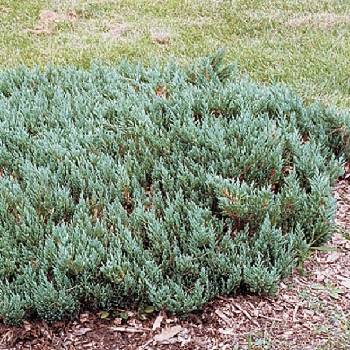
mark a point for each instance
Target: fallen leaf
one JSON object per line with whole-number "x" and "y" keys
{"x": 167, "y": 333}
{"x": 84, "y": 318}
{"x": 117, "y": 321}
{"x": 295, "y": 312}
{"x": 124, "y": 316}
{"x": 149, "y": 309}
{"x": 82, "y": 331}
{"x": 283, "y": 286}
{"x": 161, "y": 91}
{"x": 227, "y": 331}
{"x": 288, "y": 334}
{"x": 333, "y": 257}
{"x": 27, "y": 326}
{"x": 345, "y": 283}
{"x": 157, "y": 322}
{"x": 103, "y": 315}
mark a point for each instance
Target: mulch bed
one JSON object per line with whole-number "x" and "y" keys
{"x": 310, "y": 311}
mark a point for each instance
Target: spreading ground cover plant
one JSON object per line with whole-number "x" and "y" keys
{"x": 128, "y": 185}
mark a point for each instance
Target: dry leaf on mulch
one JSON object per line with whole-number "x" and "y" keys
{"x": 157, "y": 322}
{"x": 167, "y": 333}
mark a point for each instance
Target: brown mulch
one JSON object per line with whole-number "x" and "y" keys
{"x": 310, "y": 311}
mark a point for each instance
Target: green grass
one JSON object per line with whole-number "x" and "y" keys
{"x": 311, "y": 57}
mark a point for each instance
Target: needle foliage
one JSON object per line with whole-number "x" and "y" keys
{"x": 129, "y": 186}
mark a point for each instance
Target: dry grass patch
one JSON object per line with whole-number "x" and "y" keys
{"x": 275, "y": 15}
{"x": 318, "y": 20}
{"x": 160, "y": 36}
{"x": 117, "y": 31}
{"x": 48, "y": 21}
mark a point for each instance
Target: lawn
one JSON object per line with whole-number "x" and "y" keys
{"x": 302, "y": 43}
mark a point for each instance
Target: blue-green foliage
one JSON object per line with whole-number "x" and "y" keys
{"x": 144, "y": 186}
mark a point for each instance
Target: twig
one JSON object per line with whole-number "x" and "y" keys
{"x": 130, "y": 329}
{"x": 246, "y": 313}
{"x": 223, "y": 317}
{"x": 224, "y": 298}
{"x": 271, "y": 318}
{"x": 141, "y": 347}
{"x": 295, "y": 312}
